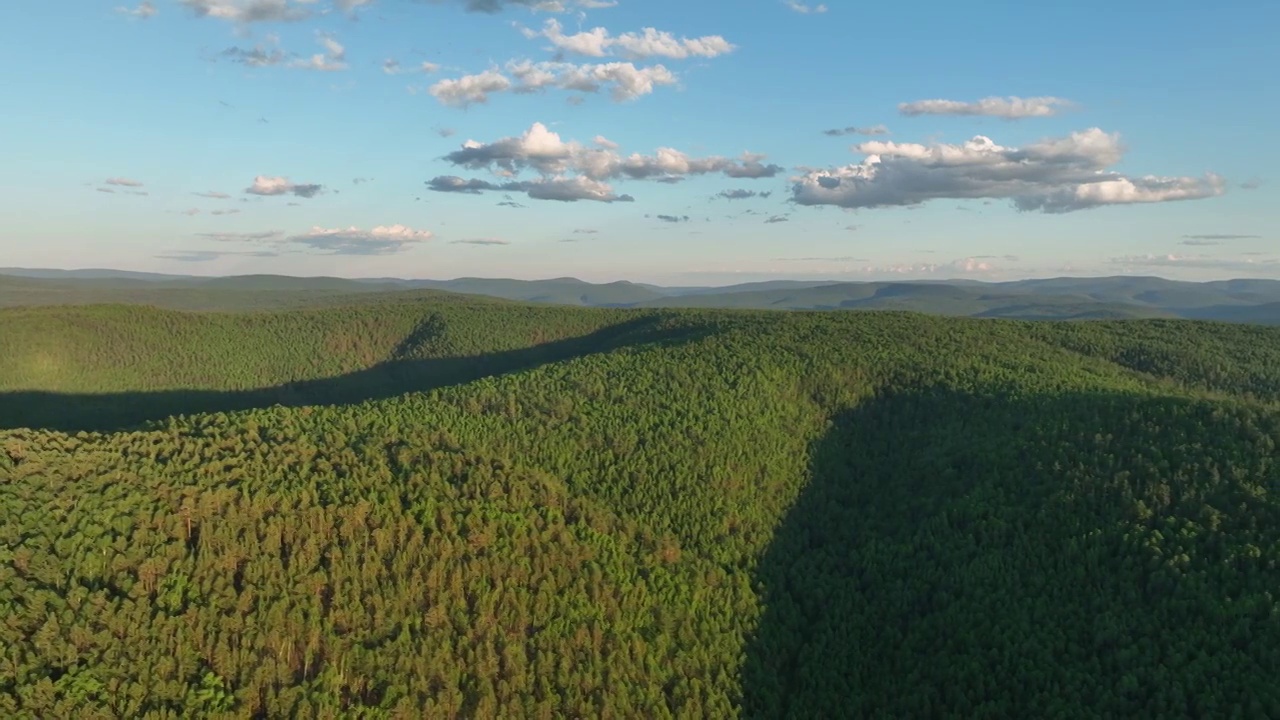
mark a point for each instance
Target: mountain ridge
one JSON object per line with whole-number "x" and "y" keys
{"x": 1062, "y": 298}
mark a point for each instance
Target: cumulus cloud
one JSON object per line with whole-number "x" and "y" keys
{"x": 270, "y": 186}
{"x": 1123, "y": 191}
{"x": 190, "y": 211}
{"x": 333, "y": 59}
{"x": 1009, "y": 108}
{"x": 572, "y": 189}
{"x": 473, "y": 186}
{"x": 741, "y": 194}
{"x": 480, "y": 241}
{"x": 585, "y": 231}
{"x": 381, "y": 240}
{"x": 564, "y": 189}
{"x": 123, "y": 182}
{"x": 648, "y": 43}
{"x": 249, "y": 11}
{"x": 626, "y": 81}
{"x": 542, "y": 150}
{"x": 573, "y": 170}
{"x": 470, "y": 89}
{"x": 855, "y": 130}
{"x": 1222, "y": 237}
{"x": 144, "y": 10}
{"x": 804, "y": 9}
{"x": 213, "y": 195}
{"x": 1054, "y": 175}
{"x": 1251, "y": 184}
{"x": 1198, "y": 262}
{"x": 673, "y": 218}
{"x": 777, "y": 219}
{"x": 232, "y": 211}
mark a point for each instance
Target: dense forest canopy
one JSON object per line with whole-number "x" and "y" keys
{"x": 447, "y": 508}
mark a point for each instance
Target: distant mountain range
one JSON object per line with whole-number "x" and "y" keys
{"x": 1253, "y": 301}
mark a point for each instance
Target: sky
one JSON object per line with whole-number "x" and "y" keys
{"x": 664, "y": 141}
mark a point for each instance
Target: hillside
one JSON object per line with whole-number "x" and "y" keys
{"x": 1249, "y": 301}
{"x": 454, "y": 509}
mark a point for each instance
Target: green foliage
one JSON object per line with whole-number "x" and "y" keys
{"x": 477, "y": 510}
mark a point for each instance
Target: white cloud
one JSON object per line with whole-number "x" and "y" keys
{"x": 804, "y": 9}
{"x": 144, "y": 10}
{"x": 650, "y": 42}
{"x": 571, "y": 170}
{"x": 381, "y": 240}
{"x": 334, "y": 58}
{"x": 572, "y": 189}
{"x": 627, "y": 81}
{"x": 1010, "y": 108}
{"x": 1200, "y": 262}
{"x": 123, "y": 182}
{"x": 470, "y": 89}
{"x": 543, "y": 151}
{"x": 1124, "y": 191}
{"x": 269, "y": 185}
{"x": 563, "y": 189}
{"x": 248, "y": 11}
{"x": 1054, "y": 175}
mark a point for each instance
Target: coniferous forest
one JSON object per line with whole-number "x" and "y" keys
{"x": 452, "y": 508}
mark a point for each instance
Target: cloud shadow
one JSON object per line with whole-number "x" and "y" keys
{"x": 958, "y": 555}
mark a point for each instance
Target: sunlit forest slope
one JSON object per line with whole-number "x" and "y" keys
{"x": 453, "y": 509}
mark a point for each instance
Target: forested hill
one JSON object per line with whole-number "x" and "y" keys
{"x": 481, "y": 510}
{"x": 1067, "y": 298}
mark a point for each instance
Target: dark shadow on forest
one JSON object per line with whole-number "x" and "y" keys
{"x": 939, "y": 559}
{"x": 107, "y": 412}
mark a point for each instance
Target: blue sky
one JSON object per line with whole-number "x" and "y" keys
{"x": 989, "y": 141}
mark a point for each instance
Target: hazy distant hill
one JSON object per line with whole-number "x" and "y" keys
{"x": 1066, "y": 298}
{"x": 559, "y": 291}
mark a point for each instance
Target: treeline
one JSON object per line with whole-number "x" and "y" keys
{"x": 659, "y": 514}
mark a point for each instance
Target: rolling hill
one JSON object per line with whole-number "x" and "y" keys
{"x": 1251, "y": 301}
{"x": 452, "y": 508}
